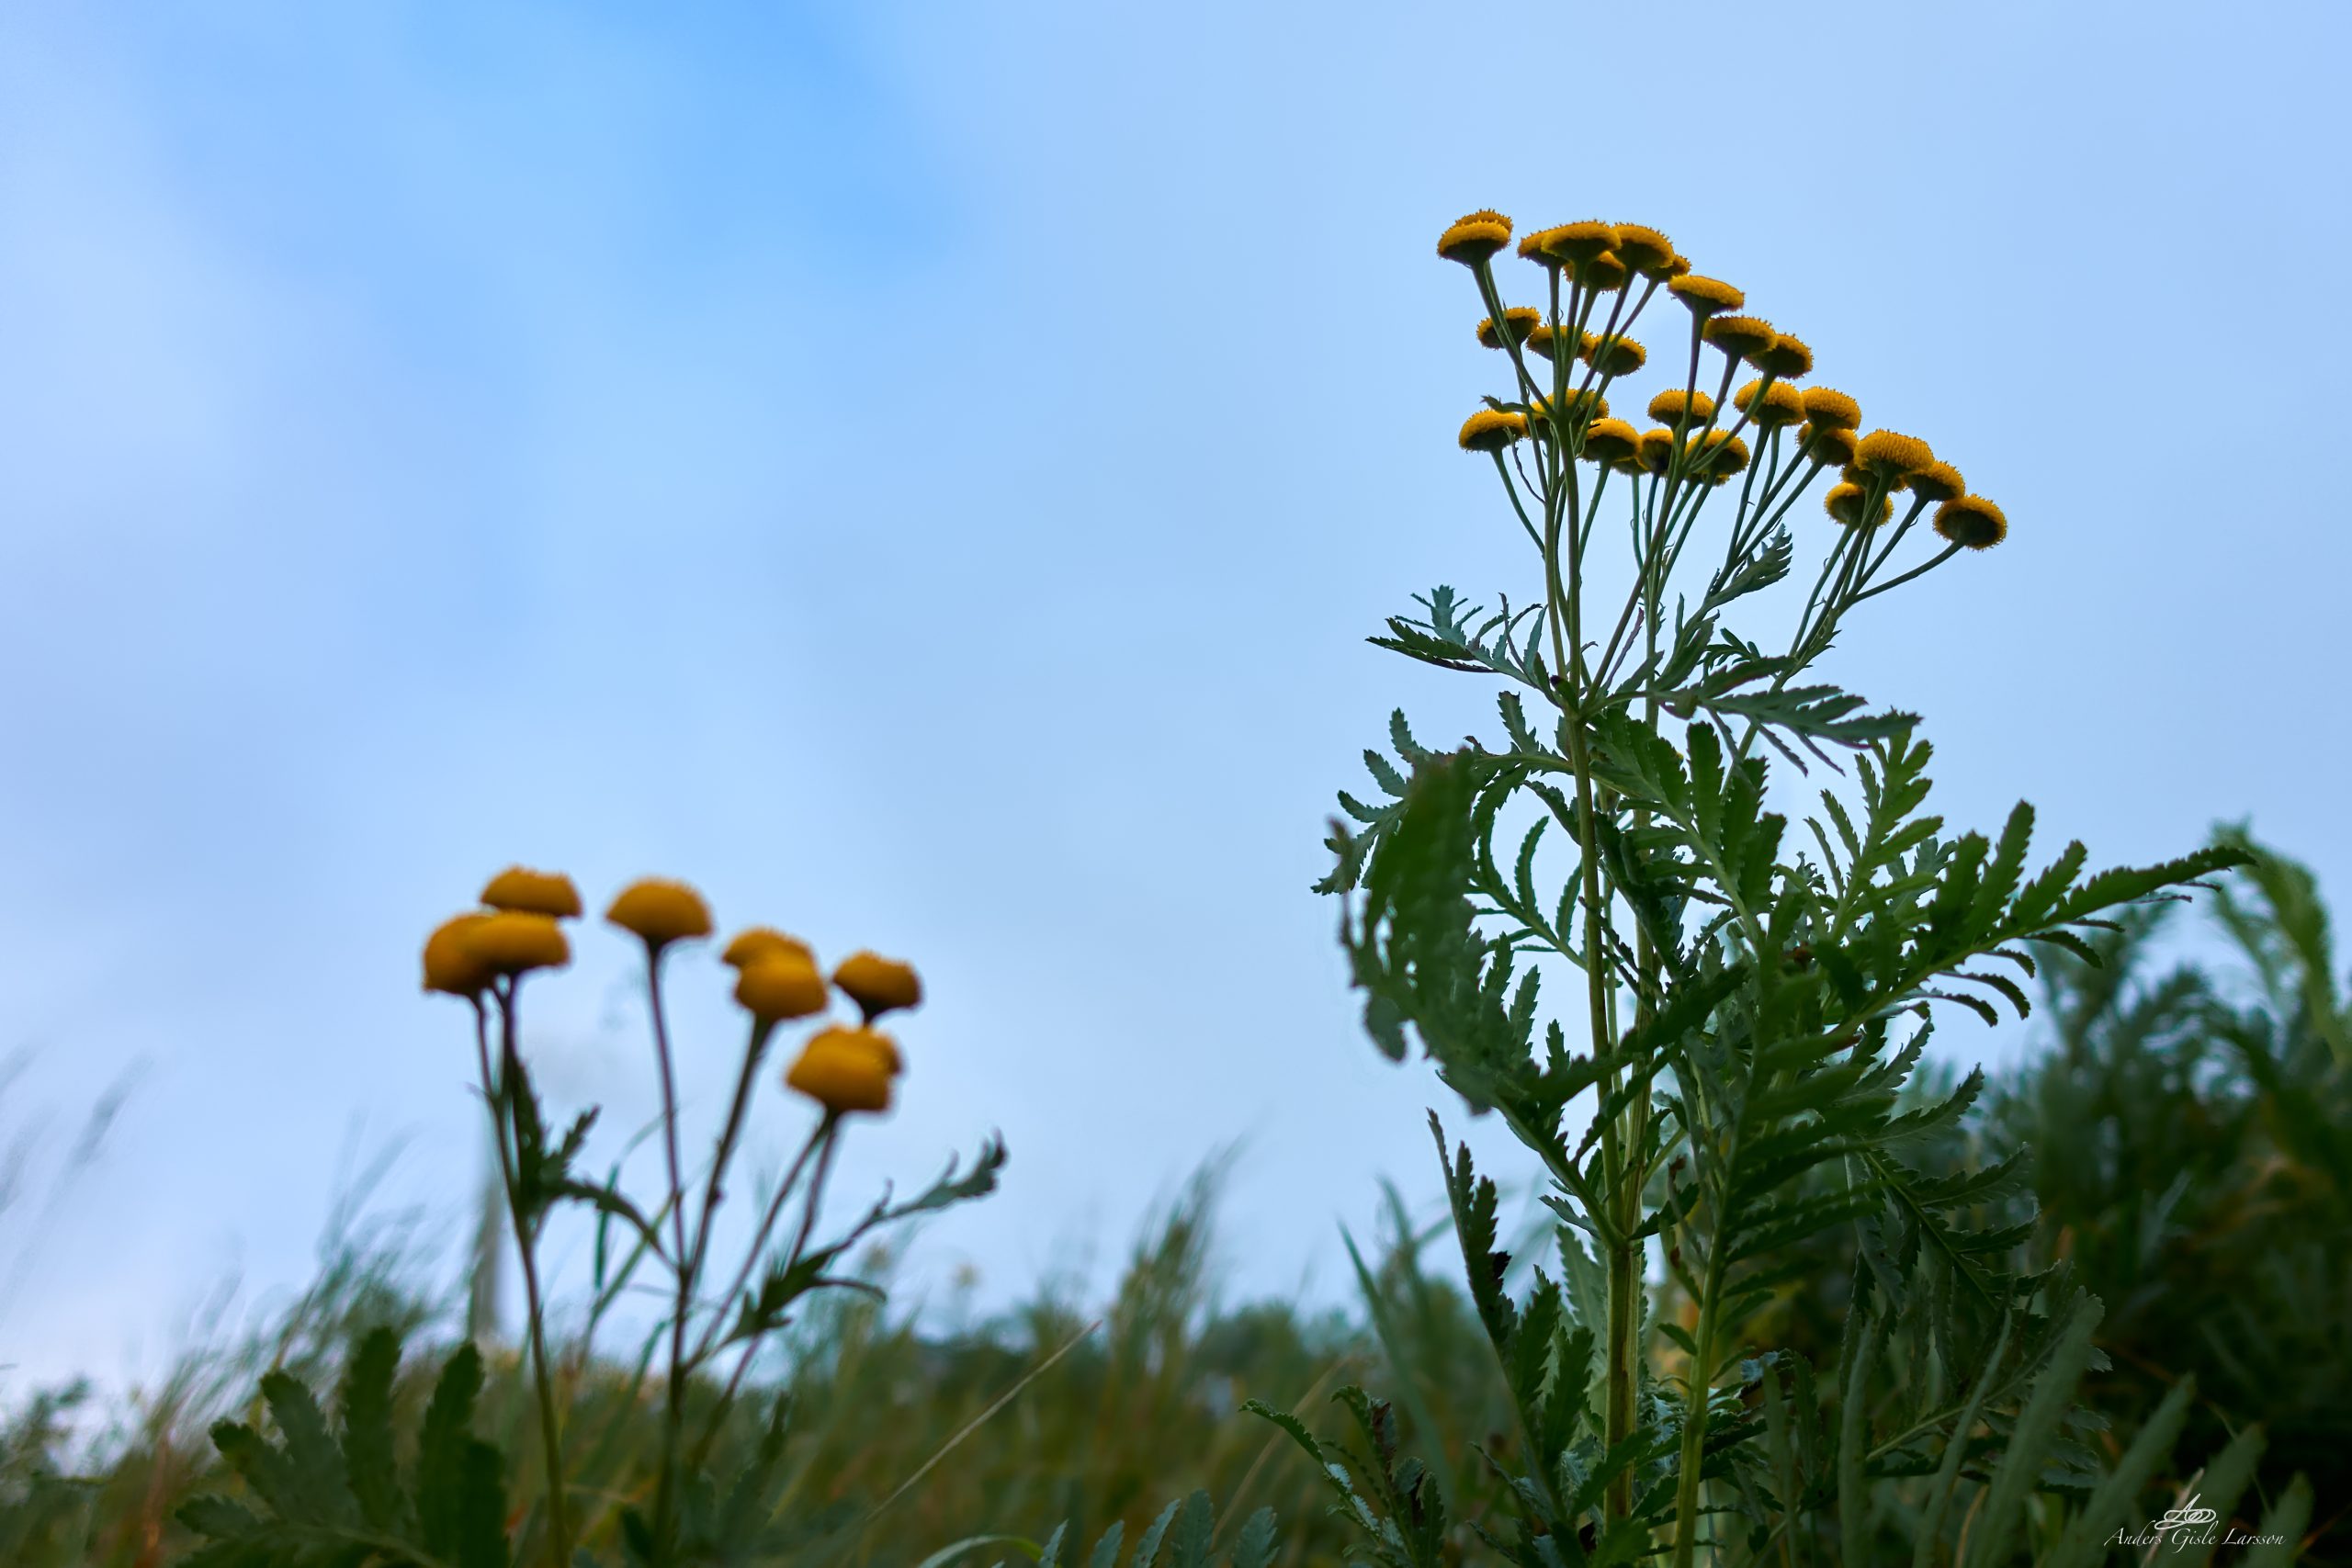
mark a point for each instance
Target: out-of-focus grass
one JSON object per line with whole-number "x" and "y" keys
{"x": 2192, "y": 1128}
{"x": 1143, "y": 1406}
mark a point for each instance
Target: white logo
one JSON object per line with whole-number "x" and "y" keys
{"x": 2188, "y": 1515}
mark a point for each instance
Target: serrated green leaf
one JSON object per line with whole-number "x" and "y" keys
{"x": 367, "y": 1410}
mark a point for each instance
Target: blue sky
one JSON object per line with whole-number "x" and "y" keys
{"x": 925, "y": 473}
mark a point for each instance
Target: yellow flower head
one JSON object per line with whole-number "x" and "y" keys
{"x": 1645, "y": 250}
{"x": 511, "y": 942}
{"x": 1610, "y": 441}
{"x": 1830, "y": 445}
{"x": 1739, "y": 335}
{"x": 1475, "y": 237}
{"x": 1579, "y": 242}
{"x": 1831, "y": 409}
{"x": 1491, "y": 430}
{"x": 450, "y": 967}
{"x": 1531, "y": 247}
{"x": 777, "y": 985}
{"x": 1705, "y": 296}
{"x": 844, "y": 1073}
{"x": 764, "y": 941}
{"x": 1544, "y": 341}
{"x": 1784, "y": 357}
{"x": 878, "y": 985}
{"x": 1603, "y": 272}
{"x": 1679, "y": 267}
{"x": 1845, "y": 503}
{"x": 1769, "y": 405}
{"x": 1518, "y": 321}
{"x": 660, "y": 911}
{"x": 1656, "y": 452}
{"x": 865, "y": 1038}
{"x": 1669, "y": 407}
{"x": 1855, "y": 474}
{"x": 1580, "y": 405}
{"x": 1720, "y": 455}
{"x": 1613, "y": 355}
{"x": 1972, "y": 521}
{"x": 1890, "y": 454}
{"x": 1938, "y": 481}
{"x": 532, "y": 893}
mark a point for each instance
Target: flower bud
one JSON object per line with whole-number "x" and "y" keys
{"x": 449, "y": 967}
{"x": 660, "y": 911}
{"x": 532, "y": 893}
{"x": 511, "y": 942}
{"x": 777, "y": 985}
{"x": 878, "y": 985}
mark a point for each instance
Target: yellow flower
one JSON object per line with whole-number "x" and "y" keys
{"x": 1855, "y": 474}
{"x": 865, "y": 1038}
{"x": 660, "y": 911}
{"x": 1604, "y": 273}
{"x": 842, "y": 1075}
{"x": 1578, "y": 405}
{"x": 1610, "y": 441}
{"x": 1705, "y": 296}
{"x": 1890, "y": 454}
{"x": 1830, "y": 445}
{"x": 532, "y": 893}
{"x": 1668, "y": 406}
{"x": 1491, "y": 430}
{"x": 1519, "y": 321}
{"x": 1831, "y": 409}
{"x": 1475, "y": 237}
{"x": 775, "y": 985}
{"x": 1579, "y": 242}
{"x": 510, "y": 942}
{"x": 1769, "y": 405}
{"x": 1784, "y": 356}
{"x": 1845, "y": 503}
{"x": 1720, "y": 455}
{"x": 1657, "y": 453}
{"x": 1938, "y": 481}
{"x": 1542, "y": 340}
{"x": 1613, "y": 355}
{"x": 1645, "y": 250}
{"x": 1679, "y": 267}
{"x": 1531, "y": 247}
{"x": 878, "y": 985}
{"x": 1972, "y": 521}
{"x": 755, "y": 943}
{"x": 450, "y": 967}
{"x": 1739, "y": 335}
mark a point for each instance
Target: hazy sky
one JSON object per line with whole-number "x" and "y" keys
{"x": 925, "y": 473}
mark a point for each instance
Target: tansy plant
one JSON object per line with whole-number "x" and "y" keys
{"x": 1746, "y": 1002}
{"x": 335, "y": 1497}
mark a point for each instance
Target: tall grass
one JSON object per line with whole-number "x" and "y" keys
{"x": 2191, "y": 1121}
{"x": 1141, "y": 1405}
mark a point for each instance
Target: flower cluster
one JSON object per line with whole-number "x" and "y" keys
{"x": 485, "y": 953}
{"x": 1599, "y": 277}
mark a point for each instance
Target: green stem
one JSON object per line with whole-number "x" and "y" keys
{"x": 497, "y": 1087}
{"x": 712, "y": 1331}
{"x": 1623, "y": 1256}
{"x": 827, "y": 1142}
{"x": 1698, "y": 1385}
{"x": 674, "y": 1414}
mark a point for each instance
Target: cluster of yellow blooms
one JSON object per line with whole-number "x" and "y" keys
{"x": 1597, "y": 259}
{"x": 518, "y": 928}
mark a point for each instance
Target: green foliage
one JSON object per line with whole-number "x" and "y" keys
{"x": 1745, "y": 1052}
{"x": 322, "y": 1495}
{"x": 2194, "y": 1128}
